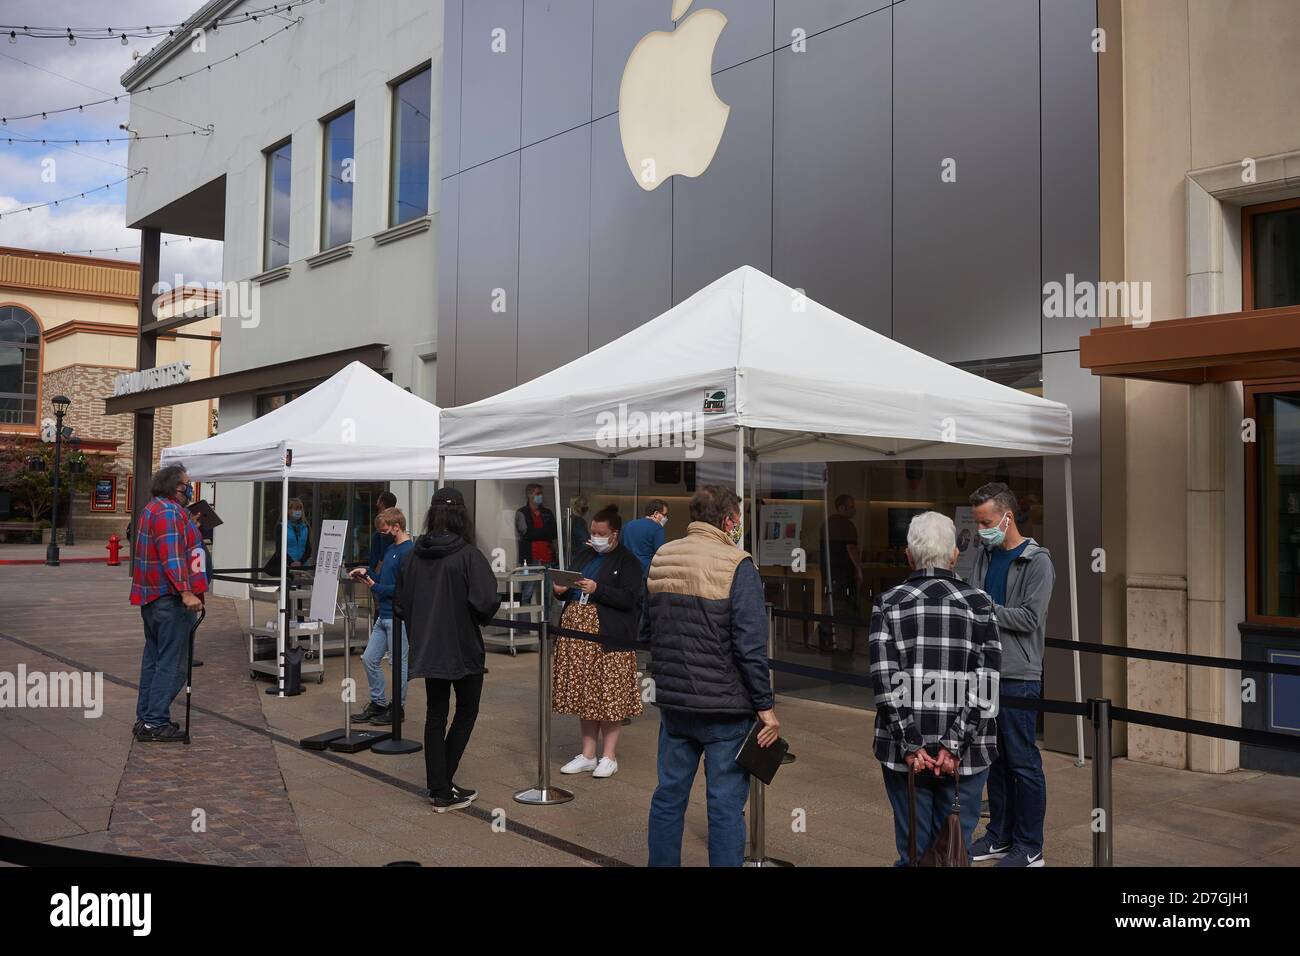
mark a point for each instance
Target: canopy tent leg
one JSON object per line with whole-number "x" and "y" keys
{"x": 1074, "y": 596}
{"x": 559, "y": 531}
{"x": 442, "y": 471}
{"x": 740, "y": 462}
{"x": 282, "y": 637}
{"x": 753, "y": 505}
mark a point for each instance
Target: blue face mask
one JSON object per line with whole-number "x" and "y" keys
{"x": 295, "y": 515}
{"x": 537, "y": 500}
{"x": 994, "y": 536}
{"x": 187, "y": 494}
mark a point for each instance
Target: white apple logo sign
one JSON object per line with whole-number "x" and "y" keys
{"x": 669, "y": 114}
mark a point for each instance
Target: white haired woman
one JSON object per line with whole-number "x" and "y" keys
{"x": 934, "y": 629}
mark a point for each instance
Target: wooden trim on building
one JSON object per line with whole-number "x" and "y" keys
{"x": 1248, "y": 213}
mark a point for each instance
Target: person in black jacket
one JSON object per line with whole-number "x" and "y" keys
{"x": 446, "y": 591}
{"x": 536, "y": 533}
{"x": 599, "y": 686}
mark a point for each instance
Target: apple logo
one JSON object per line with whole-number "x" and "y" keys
{"x": 669, "y": 115}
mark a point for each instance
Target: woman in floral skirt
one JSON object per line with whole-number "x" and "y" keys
{"x": 596, "y": 685}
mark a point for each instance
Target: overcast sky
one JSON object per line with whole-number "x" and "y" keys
{"x": 53, "y": 74}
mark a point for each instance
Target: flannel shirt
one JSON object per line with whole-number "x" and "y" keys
{"x": 935, "y": 656}
{"x": 163, "y": 553}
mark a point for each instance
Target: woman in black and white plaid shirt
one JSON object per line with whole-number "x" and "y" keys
{"x": 934, "y": 667}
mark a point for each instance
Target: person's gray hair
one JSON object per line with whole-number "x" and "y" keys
{"x": 931, "y": 538}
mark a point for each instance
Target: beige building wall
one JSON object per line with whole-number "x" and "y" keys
{"x": 1207, "y": 83}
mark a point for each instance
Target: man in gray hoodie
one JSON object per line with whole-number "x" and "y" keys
{"x": 1017, "y": 574}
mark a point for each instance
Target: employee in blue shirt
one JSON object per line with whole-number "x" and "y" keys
{"x": 384, "y": 635}
{"x": 643, "y": 537}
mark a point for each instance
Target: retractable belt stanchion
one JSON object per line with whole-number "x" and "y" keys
{"x": 543, "y": 795}
{"x": 350, "y": 741}
{"x": 395, "y": 745}
{"x": 1103, "y": 844}
{"x": 758, "y": 792}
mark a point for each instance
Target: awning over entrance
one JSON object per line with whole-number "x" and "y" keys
{"x": 282, "y": 374}
{"x": 1229, "y": 347}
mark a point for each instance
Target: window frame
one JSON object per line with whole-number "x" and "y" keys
{"x": 322, "y": 234}
{"x": 268, "y": 194}
{"x": 1248, "y": 214}
{"x": 22, "y": 428}
{"x": 1250, "y": 407}
{"x": 394, "y": 153}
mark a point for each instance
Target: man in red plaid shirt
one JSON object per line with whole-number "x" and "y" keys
{"x": 167, "y": 577}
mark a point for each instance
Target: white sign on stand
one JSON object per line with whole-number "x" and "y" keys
{"x": 968, "y": 541}
{"x": 780, "y": 531}
{"x": 329, "y": 558}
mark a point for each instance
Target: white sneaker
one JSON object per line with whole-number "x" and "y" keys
{"x": 580, "y": 764}
{"x": 605, "y": 768}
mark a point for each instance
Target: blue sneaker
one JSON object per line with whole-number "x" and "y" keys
{"x": 1021, "y": 857}
{"x": 986, "y": 848}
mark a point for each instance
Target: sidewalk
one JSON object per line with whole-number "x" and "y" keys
{"x": 82, "y": 782}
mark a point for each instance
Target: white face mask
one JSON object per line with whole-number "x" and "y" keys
{"x": 600, "y": 544}
{"x": 663, "y": 521}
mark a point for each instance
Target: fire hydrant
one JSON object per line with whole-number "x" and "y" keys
{"x": 114, "y": 549}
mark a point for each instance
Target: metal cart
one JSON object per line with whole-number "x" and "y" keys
{"x": 511, "y": 608}
{"x": 314, "y": 631}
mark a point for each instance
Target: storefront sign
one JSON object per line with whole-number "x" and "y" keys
{"x": 329, "y": 558}
{"x": 128, "y": 383}
{"x": 103, "y": 497}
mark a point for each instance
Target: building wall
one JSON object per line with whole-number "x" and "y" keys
{"x": 1208, "y": 83}
{"x": 828, "y": 176}
{"x": 339, "y": 53}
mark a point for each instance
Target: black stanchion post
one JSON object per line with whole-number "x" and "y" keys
{"x": 395, "y": 744}
{"x": 1103, "y": 827}
{"x": 543, "y": 795}
{"x": 758, "y": 790}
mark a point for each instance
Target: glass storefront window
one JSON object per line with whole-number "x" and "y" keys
{"x": 1277, "y": 511}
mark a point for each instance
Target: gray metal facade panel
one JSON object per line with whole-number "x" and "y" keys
{"x": 447, "y": 222}
{"x": 815, "y": 16}
{"x": 723, "y": 219}
{"x": 831, "y": 191}
{"x": 966, "y": 253}
{"x": 451, "y": 67}
{"x": 557, "y": 67}
{"x": 492, "y": 85}
{"x": 554, "y": 229}
{"x": 631, "y": 241}
{"x": 1071, "y": 173}
{"x": 619, "y": 26}
{"x": 488, "y": 254}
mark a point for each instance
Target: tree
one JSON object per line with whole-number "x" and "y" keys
{"x": 35, "y": 489}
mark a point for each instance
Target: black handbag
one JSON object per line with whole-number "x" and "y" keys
{"x": 949, "y": 845}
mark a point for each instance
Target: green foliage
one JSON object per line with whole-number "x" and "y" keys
{"x": 33, "y": 491}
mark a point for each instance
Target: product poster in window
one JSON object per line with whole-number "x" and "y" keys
{"x": 103, "y": 497}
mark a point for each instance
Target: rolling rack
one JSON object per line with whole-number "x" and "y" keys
{"x": 506, "y": 637}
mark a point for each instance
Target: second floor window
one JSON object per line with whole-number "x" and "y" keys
{"x": 340, "y": 172}
{"x": 409, "y": 189}
{"x": 20, "y": 365}
{"x": 279, "y": 169}
{"x": 1271, "y": 239}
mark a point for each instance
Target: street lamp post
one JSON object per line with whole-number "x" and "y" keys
{"x": 60, "y": 403}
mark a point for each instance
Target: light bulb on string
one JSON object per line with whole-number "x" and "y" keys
{"x": 123, "y": 39}
{"x": 13, "y": 36}
{"x": 72, "y": 41}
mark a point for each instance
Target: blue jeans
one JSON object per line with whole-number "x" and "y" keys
{"x": 934, "y": 796}
{"x": 166, "y": 653}
{"x": 1017, "y": 787}
{"x": 381, "y": 642}
{"x": 683, "y": 737}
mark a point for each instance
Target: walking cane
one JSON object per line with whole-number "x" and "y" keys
{"x": 189, "y": 671}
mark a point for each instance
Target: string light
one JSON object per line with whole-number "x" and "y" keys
{"x": 45, "y": 114}
{"x": 148, "y": 31}
{"x": 88, "y": 140}
{"x": 80, "y": 195}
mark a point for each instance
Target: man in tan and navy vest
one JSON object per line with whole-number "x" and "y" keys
{"x": 708, "y": 641}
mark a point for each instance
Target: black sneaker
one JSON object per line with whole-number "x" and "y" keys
{"x": 371, "y": 709}
{"x": 457, "y": 801}
{"x": 139, "y": 726}
{"x": 383, "y": 716}
{"x": 467, "y": 793}
{"x": 163, "y": 734}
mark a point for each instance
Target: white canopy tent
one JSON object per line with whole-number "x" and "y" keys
{"x": 354, "y": 426}
{"x": 751, "y": 368}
